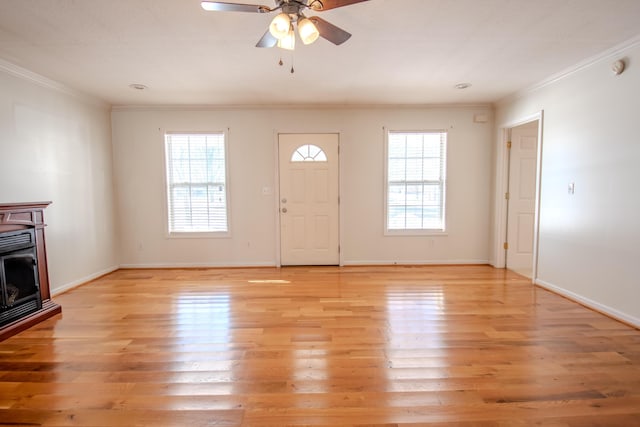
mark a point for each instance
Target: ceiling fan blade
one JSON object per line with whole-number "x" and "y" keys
{"x": 320, "y": 5}
{"x": 220, "y": 6}
{"x": 329, "y": 31}
{"x": 267, "y": 40}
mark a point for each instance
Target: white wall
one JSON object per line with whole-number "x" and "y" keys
{"x": 138, "y": 138}
{"x": 589, "y": 242}
{"x": 55, "y": 146}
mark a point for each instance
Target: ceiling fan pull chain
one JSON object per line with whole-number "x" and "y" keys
{"x": 292, "y": 63}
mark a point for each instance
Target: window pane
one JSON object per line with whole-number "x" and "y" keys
{"x": 414, "y": 194}
{"x": 431, "y": 169}
{"x": 397, "y": 194}
{"x": 415, "y": 180}
{"x": 216, "y": 173}
{"x": 308, "y": 153}
{"x": 414, "y": 146}
{"x": 197, "y": 182}
{"x": 180, "y": 171}
{"x": 432, "y": 145}
{"x": 397, "y": 170}
{"x": 414, "y": 217}
{"x": 397, "y": 147}
{"x": 198, "y": 170}
{"x": 396, "y": 220}
{"x": 414, "y": 169}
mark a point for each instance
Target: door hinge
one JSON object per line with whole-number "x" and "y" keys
{"x": 339, "y": 249}
{"x": 506, "y": 246}
{"x": 507, "y": 196}
{"x": 509, "y": 145}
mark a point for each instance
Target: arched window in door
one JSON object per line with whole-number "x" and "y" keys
{"x": 309, "y": 153}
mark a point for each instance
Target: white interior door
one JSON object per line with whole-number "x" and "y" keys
{"x": 309, "y": 199}
{"x": 522, "y": 193}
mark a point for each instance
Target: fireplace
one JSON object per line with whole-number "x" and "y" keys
{"x": 19, "y": 284}
{"x": 25, "y": 298}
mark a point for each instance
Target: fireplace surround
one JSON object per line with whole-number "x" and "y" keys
{"x": 19, "y": 284}
{"x": 25, "y": 297}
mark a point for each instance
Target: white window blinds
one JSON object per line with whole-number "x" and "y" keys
{"x": 196, "y": 182}
{"x": 416, "y": 175}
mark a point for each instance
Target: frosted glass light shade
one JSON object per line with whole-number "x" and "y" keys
{"x": 289, "y": 41}
{"x": 280, "y": 25}
{"x": 307, "y": 31}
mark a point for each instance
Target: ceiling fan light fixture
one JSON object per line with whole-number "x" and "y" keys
{"x": 280, "y": 26}
{"x": 288, "y": 42}
{"x": 307, "y": 31}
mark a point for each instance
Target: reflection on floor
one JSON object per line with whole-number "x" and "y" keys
{"x": 322, "y": 346}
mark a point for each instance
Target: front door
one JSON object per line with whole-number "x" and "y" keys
{"x": 522, "y": 193}
{"x": 309, "y": 199}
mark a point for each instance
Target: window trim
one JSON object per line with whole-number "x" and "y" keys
{"x": 414, "y": 231}
{"x": 196, "y": 234}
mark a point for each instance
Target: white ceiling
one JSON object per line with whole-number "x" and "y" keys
{"x": 401, "y": 52}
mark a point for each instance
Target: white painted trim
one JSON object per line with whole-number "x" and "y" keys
{"x": 36, "y": 78}
{"x": 420, "y": 262}
{"x": 345, "y": 107}
{"x": 501, "y": 204}
{"x": 538, "y": 199}
{"x": 276, "y": 192}
{"x": 408, "y": 232}
{"x": 45, "y": 82}
{"x": 195, "y": 234}
{"x": 611, "y": 312}
{"x": 576, "y": 68}
{"x": 502, "y": 180}
{"x": 200, "y": 265}
{"x": 340, "y": 193}
{"x": 68, "y": 286}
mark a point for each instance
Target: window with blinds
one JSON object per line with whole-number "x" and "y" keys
{"x": 196, "y": 182}
{"x": 416, "y": 177}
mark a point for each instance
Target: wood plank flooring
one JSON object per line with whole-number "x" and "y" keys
{"x": 321, "y": 346}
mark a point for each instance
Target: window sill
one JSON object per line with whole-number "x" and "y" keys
{"x": 415, "y": 233}
{"x": 198, "y": 235}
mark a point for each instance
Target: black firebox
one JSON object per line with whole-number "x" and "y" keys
{"x": 19, "y": 287}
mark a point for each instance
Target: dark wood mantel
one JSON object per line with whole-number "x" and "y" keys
{"x": 18, "y": 216}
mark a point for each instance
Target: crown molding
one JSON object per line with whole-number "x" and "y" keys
{"x": 45, "y": 82}
{"x": 216, "y": 107}
{"x": 608, "y": 54}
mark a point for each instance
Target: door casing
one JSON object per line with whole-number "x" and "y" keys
{"x": 502, "y": 185}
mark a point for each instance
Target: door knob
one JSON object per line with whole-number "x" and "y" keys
{"x": 284, "y": 210}
{"x": 284, "y": 200}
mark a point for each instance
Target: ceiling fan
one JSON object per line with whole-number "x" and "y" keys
{"x": 281, "y": 30}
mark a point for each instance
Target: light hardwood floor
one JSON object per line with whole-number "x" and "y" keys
{"x": 321, "y": 346}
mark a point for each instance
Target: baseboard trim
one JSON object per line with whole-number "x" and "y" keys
{"x": 593, "y": 305}
{"x": 71, "y": 285}
{"x": 421, "y": 262}
{"x": 199, "y": 265}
